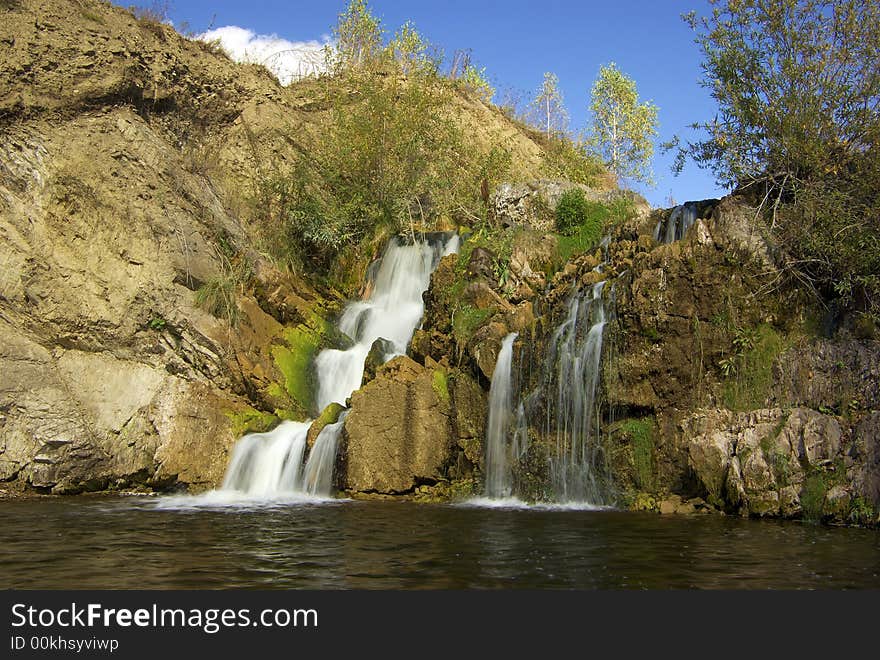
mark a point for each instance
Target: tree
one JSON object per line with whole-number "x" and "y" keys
{"x": 623, "y": 128}
{"x": 548, "y": 107}
{"x": 358, "y": 36}
{"x": 797, "y": 84}
{"x": 412, "y": 53}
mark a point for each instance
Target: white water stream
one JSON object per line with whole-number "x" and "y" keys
{"x": 270, "y": 465}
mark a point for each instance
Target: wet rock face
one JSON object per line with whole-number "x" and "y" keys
{"x": 410, "y": 426}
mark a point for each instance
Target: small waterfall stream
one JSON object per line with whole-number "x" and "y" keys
{"x": 563, "y": 406}
{"x": 676, "y": 225}
{"x": 499, "y": 479}
{"x": 392, "y": 312}
{"x": 572, "y": 374}
{"x": 267, "y": 465}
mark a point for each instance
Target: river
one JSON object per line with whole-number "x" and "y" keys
{"x": 93, "y": 542}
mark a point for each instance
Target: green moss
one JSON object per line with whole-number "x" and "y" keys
{"x": 251, "y": 420}
{"x": 813, "y": 495}
{"x": 294, "y": 360}
{"x": 440, "y": 385}
{"x": 750, "y": 374}
{"x": 330, "y": 415}
{"x": 652, "y": 335}
{"x": 466, "y": 320}
{"x": 641, "y": 434}
{"x": 582, "y": 239}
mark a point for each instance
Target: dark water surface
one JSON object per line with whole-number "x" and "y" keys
{"x": 132, "y": 543}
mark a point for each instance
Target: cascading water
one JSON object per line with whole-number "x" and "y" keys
{"x": 318, "y": 472}
{"x": 499, "y": 479}
{"x": 265, "y": 464}
{"x": 392, "y": 312}
{"x": 563, "y": 408}
{"x": 676, "y": 225}
{"x": 571, "y": 380}
{"x": 271, "y": 464}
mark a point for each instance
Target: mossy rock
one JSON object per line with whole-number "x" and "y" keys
{"x": 251, "y": 420}
{"x": 330, "y": 415}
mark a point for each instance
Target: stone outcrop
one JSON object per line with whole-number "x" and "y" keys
{"x": 533, "y": 203}
{"x": 112, "y": 217}
{"x": 411, "y": 426}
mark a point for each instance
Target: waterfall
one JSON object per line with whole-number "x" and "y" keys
{"x": 571, "y": 381}
{"x": 499, "y": 479}
{"x": 271, "y": 464}
{"x": 674, "y": 227}
{"x": 392, "y": 312}
{"x": 318, "y": 472}
{"x": 265, "y": 464}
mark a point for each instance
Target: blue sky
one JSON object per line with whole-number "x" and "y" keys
{"x": 517, "y": 41}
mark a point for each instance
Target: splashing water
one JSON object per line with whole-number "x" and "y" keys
{"x": 265, "y": 464}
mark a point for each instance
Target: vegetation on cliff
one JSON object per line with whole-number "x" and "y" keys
{"x": 797, "y": 88}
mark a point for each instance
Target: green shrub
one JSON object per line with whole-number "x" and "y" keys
{"x": 575, "y": 212}
{"x": 641, "y": 436}
{"x": 813, "y": 497}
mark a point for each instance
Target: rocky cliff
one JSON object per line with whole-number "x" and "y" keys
{"x": 142, "y": 328}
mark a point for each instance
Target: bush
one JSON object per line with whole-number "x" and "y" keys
{"x": 575, "y": 212}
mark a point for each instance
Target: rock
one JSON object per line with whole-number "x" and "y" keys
{"x": 533, "y": 204}
{"x": 398, "y": 434}
{"x": 755, "y": 462}
{"x": 485, "y": 345}
{"x": 379, "y": 351}
{"x": 330, "y": 415}
{"x": 481, "y": 296}
{"x": 481, "y": 265}
{"x": 521, "y": 318}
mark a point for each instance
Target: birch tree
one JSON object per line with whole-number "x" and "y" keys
{"x": 623, "y": 128}
{"x": 548, "y": 108}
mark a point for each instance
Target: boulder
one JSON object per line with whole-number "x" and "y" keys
{"x": 398, "y": 433}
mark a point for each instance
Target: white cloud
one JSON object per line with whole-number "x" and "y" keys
{"x": 288, "y": 60}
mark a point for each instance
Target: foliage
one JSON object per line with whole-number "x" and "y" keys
{"x": 465, "y": 321}
{"x": 476, "y": 81}
{"x": 641, "y": 436}
{"x": 798, "y": 88}
{"x": 548, "y": 110}
{"x": 592, "y": 220}
{"x": 218, "y": 296}
{"x": 748, "y": 369}
{"x": 358, "y": 39}
{"x": 812, "y": 496}
{"x": 412, "y": 53}
{"x": 392, "y": 157}
{"x": 796, "y": 85}
{"x": 572, "y": 161}
{"x": 623, "y": 128}
{"x": 861, "y": 511}
{"x": 574, "y": 211}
